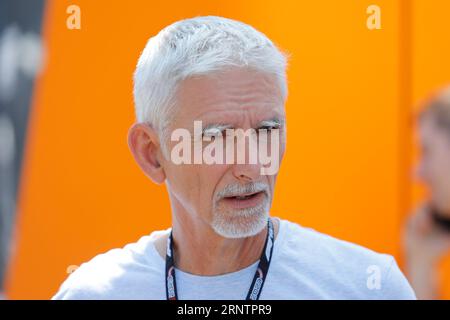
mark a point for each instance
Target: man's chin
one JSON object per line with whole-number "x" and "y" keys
{"x": 239, "y": 226}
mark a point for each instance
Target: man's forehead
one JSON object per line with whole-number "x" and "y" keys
{"x": 230, "y": 105}
{"x": 208, "y": 92}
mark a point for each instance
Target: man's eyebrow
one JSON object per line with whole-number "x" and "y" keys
{"x": 274, "y": 122}
{"x": 214, "y": 128}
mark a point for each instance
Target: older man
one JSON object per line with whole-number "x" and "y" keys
{"x": 220, "y": 86}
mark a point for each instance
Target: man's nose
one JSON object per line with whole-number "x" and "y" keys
{"x": 246, "y": 172}
{"x": 247, "y": 166}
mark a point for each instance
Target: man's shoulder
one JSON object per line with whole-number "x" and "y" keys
{"x": 326, "y": 246}
{"x": 119, "y": 273}
{"x": 356, "y": 270}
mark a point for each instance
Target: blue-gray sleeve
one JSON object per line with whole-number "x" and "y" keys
{"x": 396, "y": 286}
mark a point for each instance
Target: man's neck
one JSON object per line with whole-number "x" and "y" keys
{"x": 199, "y": 250}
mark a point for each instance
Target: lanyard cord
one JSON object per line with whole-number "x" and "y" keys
{"x": 258, "y": 279}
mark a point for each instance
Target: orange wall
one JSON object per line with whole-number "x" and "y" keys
{"x": 345, "y": 165}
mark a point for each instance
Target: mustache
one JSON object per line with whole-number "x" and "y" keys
{"x": 238, "y": 189}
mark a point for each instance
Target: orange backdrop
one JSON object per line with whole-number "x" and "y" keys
{"x": 347, "y": 166}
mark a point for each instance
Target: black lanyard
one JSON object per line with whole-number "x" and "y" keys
{"x": 258, "y": 279}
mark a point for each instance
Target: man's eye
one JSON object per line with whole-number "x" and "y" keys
{"x": 213, "y": 135}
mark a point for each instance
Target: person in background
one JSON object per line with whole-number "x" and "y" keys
{"x": 427, "y": 236}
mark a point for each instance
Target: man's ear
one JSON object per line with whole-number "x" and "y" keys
{"x": 144, "y": 145}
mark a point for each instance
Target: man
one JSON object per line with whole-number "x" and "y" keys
{"x": 225, "y": 76}
{"x": 427, "y": 237}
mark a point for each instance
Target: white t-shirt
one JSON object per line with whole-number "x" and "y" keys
{"x": 305, "y": 264}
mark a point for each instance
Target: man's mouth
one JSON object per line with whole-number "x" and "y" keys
{"x": 242, "y": 201}
{"x": 244, "y": 196}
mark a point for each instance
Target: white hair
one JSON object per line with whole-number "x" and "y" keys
{"x": 198, "y": 46}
